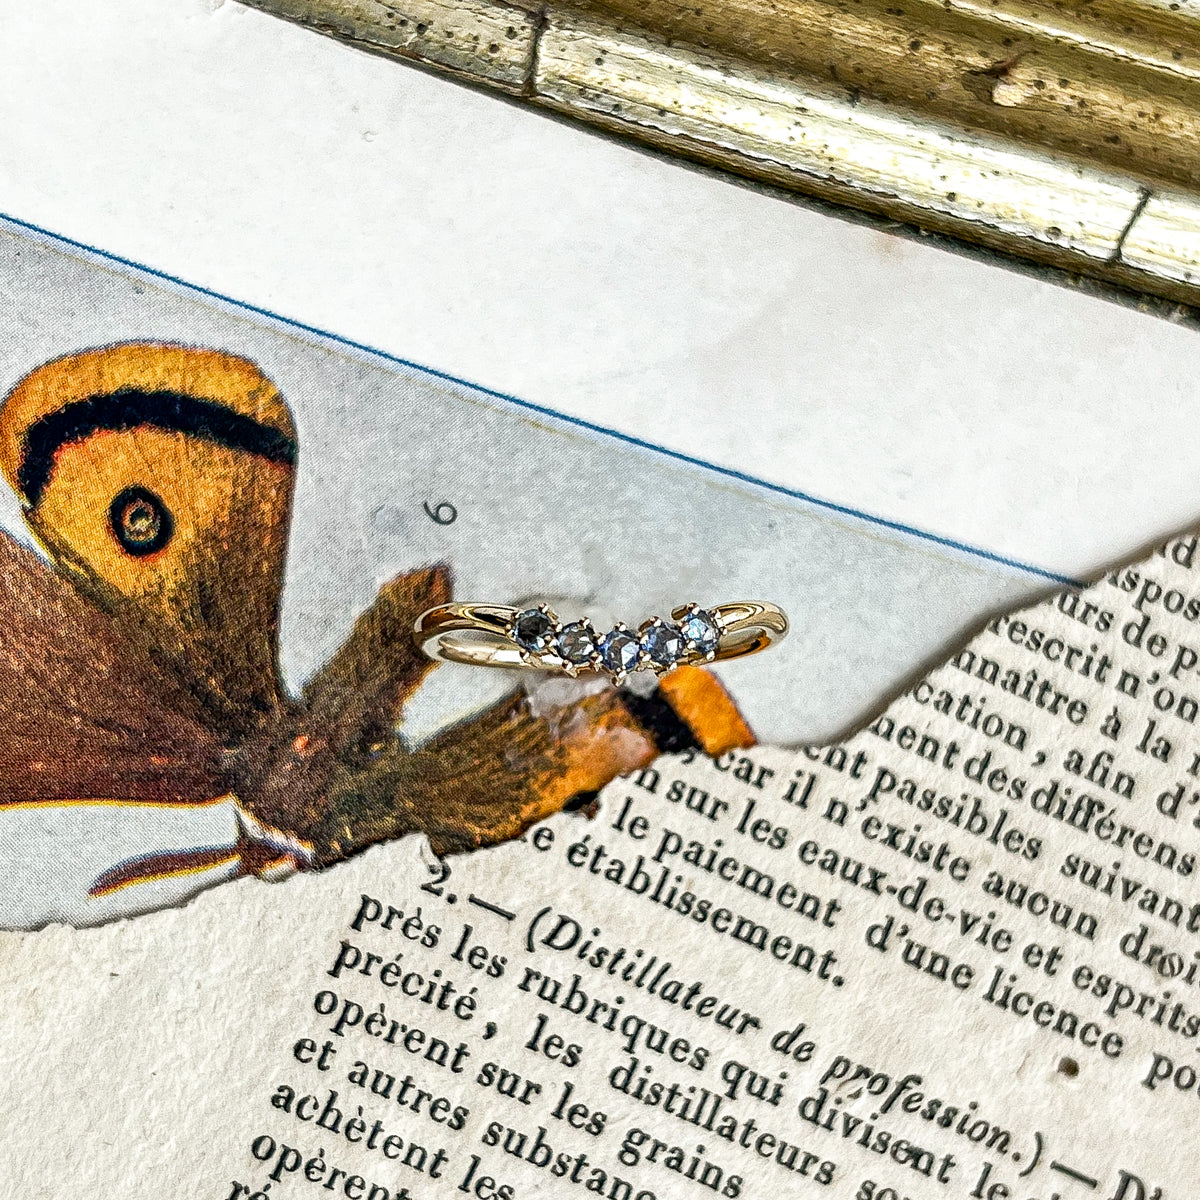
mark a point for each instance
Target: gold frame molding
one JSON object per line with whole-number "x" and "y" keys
{"x": 1065, "y": 132}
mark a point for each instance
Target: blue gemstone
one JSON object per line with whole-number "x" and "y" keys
{"x": 700, "y": 630}
{"x": 662, "y": 643}
{"x": 577, "y": 643}
{"x": 532, "y": 630}
{"x": 619, "y": 650}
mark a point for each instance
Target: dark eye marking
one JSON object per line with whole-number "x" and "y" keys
{"x": 140, "y": 521}
{"x": 129, "y": 408}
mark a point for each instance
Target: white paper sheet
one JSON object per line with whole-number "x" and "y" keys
{"x": 373, "y": 200}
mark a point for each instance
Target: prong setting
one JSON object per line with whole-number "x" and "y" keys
{"x": 575, "y": 647}
{"x": 620, "y": 651}
{"x": 578, "y": 647}
{"x": 534, "y": 631}
{"x": 498, "y": 635}
{"x": 663, "y": 646}
{"x": 701, "y": 631}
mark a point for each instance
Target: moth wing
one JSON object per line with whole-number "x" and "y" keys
{"x": 85, "y": 714}
{"x": 490, "y": 777}
{"x": 159, "y": 479}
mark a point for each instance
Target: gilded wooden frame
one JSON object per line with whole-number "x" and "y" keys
{"x": 1065, "y": 133}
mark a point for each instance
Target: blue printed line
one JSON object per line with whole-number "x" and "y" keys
{"x": 541, "y": 410}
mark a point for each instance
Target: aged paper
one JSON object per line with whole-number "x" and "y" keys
{"x": 954, "y": 956}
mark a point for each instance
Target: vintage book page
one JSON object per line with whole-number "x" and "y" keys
{"x": 953, "y": 956}
{"x": 902, "y": 909}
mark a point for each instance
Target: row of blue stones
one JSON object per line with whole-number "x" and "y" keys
{"x": 657, "y": 646}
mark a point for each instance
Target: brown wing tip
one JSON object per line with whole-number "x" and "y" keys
{"x": 420, "y": 589}
{"x": 438, "y": 583}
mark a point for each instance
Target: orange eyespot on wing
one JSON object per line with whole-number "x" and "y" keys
{"x": 140, "y": 522}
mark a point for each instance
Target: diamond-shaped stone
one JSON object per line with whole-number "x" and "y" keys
{"x": 533, "y": 630}
{"x": 619, "y": 650}
{"x": 700, "y": 631}
{"x": 577, "y": 643}
{"x": 662, "y": 642}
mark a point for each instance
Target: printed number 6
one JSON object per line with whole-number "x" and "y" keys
{"x": 444, "y": 513}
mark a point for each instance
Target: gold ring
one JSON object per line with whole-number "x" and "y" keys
{"x": 497, "y": 635}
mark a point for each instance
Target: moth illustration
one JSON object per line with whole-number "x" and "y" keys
{"x": 147, "y": 745}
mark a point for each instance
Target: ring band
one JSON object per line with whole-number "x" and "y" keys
{"x": 497, "y": 635}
